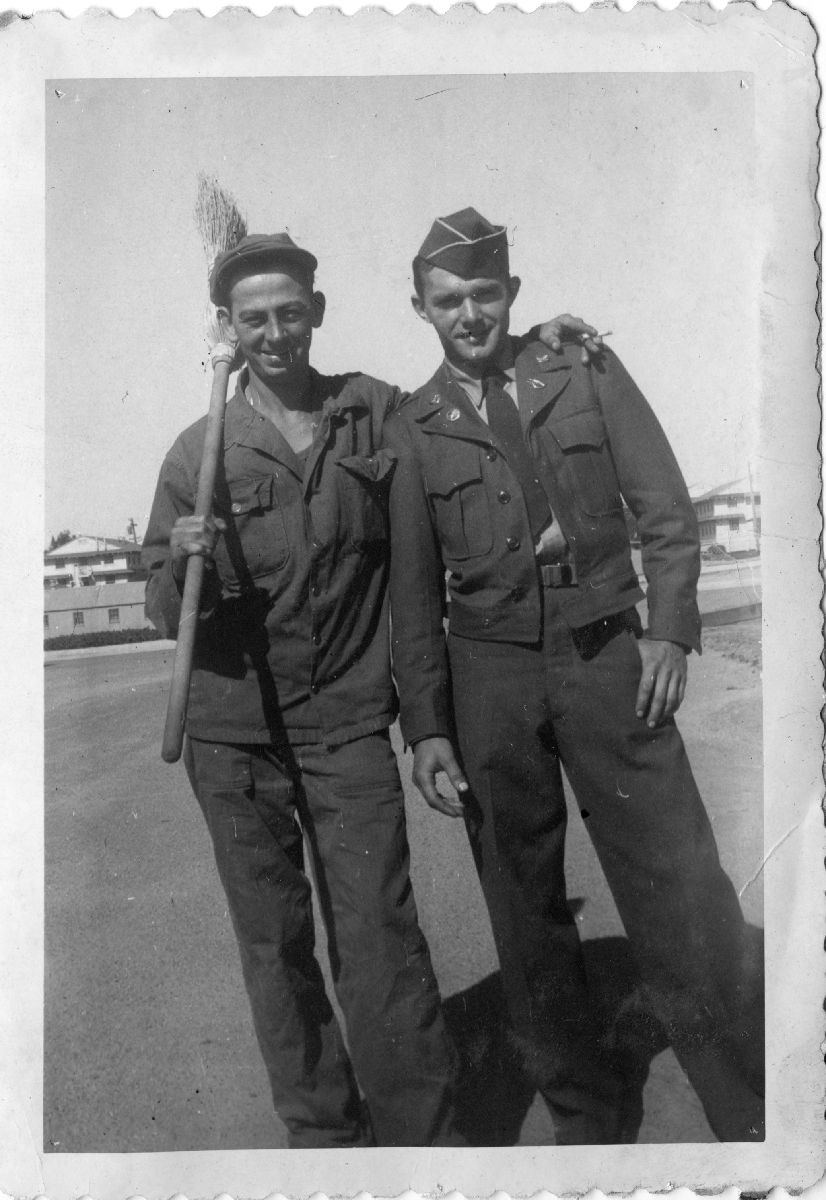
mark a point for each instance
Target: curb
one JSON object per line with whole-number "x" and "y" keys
{"x": 51, "y": 656}
{"x": 731, "y": 616}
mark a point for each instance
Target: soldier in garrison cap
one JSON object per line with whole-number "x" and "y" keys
{"x": 512, "y": 464}
{"x": 290, "y": 703}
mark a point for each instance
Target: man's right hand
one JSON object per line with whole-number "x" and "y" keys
{"x": 193, "y": 535}
{"x": 430, "y": 756}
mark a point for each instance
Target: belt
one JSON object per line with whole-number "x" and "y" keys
{"x": 557, "y": 575}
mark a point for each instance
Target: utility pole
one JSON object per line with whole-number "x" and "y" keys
{"x": 133, "y": 529}
{"x": 753, "y": 512}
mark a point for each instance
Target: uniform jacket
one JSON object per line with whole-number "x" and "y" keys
{"x": 294, "y": 632}
{"x": 456, "y": 506}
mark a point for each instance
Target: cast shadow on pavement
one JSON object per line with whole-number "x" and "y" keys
{"x": 495, "y": 1091}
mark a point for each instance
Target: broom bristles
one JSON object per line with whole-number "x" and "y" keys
{"x": 220, "y": 226}
{"x": 218, "y": 218}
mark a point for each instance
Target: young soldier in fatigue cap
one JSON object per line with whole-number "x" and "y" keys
{"x": 287, "y": 727}
{"x": 512, "y": 465}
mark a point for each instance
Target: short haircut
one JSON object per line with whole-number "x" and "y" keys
{"x": 419, "y": 268}
{"x": 259, "y": 266}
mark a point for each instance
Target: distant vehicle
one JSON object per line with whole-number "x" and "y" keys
{"x": 716, "y": 553}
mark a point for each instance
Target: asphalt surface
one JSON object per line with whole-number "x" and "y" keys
{"x": 149, "y": 1044}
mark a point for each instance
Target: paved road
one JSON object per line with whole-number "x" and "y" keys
{"x": 149, "y": 1045}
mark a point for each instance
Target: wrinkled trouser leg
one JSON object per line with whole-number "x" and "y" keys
{"x": 382, "y": 971}
{"x": 656, "y": 846}
{"x": 516, "y": 822}
{"x": 651, "y": 833}
{"x": 248, "y": 798}
{"x": 350, "y": 803}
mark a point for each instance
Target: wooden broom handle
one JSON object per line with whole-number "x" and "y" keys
{"x": 173, "y": 734}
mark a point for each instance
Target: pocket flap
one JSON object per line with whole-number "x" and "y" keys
{"x": 445, "y": 473}
{"x": 584, "y": 428}
{"x": 372, "y": 467}
{"x": 246, "y": 495}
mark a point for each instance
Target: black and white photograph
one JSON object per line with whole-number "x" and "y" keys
{"x": 429, "y": 585}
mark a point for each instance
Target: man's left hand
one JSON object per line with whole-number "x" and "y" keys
{"x": 662, "y": 686}
{"x": 566, "y": 328}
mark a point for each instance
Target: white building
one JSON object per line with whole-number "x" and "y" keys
{"x": 91, "y": 561}
{"x": 94, "y": 609}
{"x": 729, "y": 516}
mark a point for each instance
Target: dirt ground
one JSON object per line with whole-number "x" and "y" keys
{"x": 742, "y": 642}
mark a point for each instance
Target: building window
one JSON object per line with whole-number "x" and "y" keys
{"x": 114, "y": 616}
{"x": 77, "y": 618}
{"x": 45, "y": 620}
{"x": 60, "y": 562}
{"x": 735, "y": 525}
{"x": 108, "y": 558}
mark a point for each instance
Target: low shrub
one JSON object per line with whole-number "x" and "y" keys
{"x": 106, "y": 637}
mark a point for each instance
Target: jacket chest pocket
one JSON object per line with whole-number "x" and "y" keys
{"x": 583, "y": 440}
{"x": 364, "y": 484}
{"x": 255, "y": 542}
{"x": 459, "y": 499}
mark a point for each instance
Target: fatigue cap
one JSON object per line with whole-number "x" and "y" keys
{"x": 467, "y": 245}
{"x": 253, "y": 251}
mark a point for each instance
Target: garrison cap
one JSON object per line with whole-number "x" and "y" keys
{"x": 467, "y": 245}
{"x": 255, "y": 250}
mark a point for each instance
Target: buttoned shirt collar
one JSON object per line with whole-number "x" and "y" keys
{"x": 474, "y": 389}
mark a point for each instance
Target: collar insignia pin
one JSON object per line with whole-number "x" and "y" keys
{"x": 536, "y": 383}
{"x": 437, "y": 399}
{"x": 453, "y": 415}
{"x": 542, "y": 357}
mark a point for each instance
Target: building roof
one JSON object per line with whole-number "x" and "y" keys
{"x": 83, "y": 545}
{"x": 108, "y": 595}
{"x": 737, "y": 487}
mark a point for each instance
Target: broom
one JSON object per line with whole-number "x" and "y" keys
{"x": 221, "y": 227}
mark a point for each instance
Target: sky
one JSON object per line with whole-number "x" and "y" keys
{"x": 629, "y": 200}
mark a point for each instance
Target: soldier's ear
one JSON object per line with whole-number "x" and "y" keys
{"x": 225, "y": 322}
{"x": 319, "y": 306}
{"x": 419, "y": 308}
{"x": 514, "y": 284}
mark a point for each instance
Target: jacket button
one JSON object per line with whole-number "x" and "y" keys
{"x": 490, "y": 454}
{"x": 504, "y": 497}
{"x": 315, "y": 590}
{"x": 316, "y": 639}
{"x": 315, "y": 688}
{"x": 513, "y": 543}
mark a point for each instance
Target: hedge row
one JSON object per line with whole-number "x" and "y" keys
{"x": 107, "y": 637}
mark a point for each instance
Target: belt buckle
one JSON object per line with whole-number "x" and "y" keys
{"x": 556, "y": 575}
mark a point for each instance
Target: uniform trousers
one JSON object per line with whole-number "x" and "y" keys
{"x": 348, "y": 802}
{"x": 521, "y": 711}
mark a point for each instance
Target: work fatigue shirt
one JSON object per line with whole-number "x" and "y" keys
{"x": 293, "y": 633}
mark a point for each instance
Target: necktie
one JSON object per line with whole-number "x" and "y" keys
{"x": 503, "y": 421}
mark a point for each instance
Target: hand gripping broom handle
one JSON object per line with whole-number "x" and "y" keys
{"x": 173, "y": 734}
